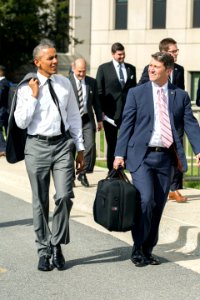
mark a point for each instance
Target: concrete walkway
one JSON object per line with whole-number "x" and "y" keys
{"x": 180, "y": 225}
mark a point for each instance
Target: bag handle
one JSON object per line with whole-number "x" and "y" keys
{"x": 118, "y": 173}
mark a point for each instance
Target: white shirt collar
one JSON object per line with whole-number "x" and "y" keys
{"x": 43, "y": 79}
{"x": 116, "y": 63}
{"x": 164, "y": 87}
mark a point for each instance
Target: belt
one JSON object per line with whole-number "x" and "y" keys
{"x": 158, "y": 149}
{"x": 51, "y": 138}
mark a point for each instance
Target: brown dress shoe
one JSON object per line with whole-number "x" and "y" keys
{"x": 2, "y": 153}
{"x": 176, "y": 195}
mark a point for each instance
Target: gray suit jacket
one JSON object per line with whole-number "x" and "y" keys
{"x": 16, "y": 137}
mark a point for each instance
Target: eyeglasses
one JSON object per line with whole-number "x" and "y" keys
{"x": 174, "y": 51}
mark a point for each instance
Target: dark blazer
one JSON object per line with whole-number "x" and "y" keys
{"x": 4, "y": 91}
{"x": 178, "y": 76}
{"x": 138, "y": 123}
{"x": 92, "y": 98}
{"x": 16, "y": 137}
{"x": 198, "y": 94}
{"x": 112, "y": 95}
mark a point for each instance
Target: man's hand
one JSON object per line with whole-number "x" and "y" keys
{"x": 198, "y": 159}
{"x": 119, "y": 161}
{"x": 80, "y": 162}
{"x": 99, "y": 126}
{"x": 34, "y": 85}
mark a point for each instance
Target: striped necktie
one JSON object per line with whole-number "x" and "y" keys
{"x": 80, "y": 98}
{"x": 165, "y": 126}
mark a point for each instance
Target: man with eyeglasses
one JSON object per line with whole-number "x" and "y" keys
{"x": 176, "y": 77}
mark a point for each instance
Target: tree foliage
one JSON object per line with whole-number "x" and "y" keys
{"x": 23, "y": 23}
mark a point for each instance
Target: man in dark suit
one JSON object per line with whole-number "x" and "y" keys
{"x": 4, "y": 90}
{"x": 198, "y": 94}
{"x": 176, "y": 77}
{"x": 150, "y": 144}
{"x": 114, "y": 79}
{"x": 90, "y": 103}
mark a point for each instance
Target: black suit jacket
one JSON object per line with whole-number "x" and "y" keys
{"x": 112, "y": 95}
{"x": 92, "y": 98}
{"x": 198, "y": 94}
{"x": 4, "y": 91}
{"x": 178, "y": 76}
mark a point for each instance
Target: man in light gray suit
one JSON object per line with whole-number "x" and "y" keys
{"x": 89, "y": 106}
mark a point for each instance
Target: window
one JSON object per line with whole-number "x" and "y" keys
{"x": 159, "y": 14}
{"x": 121, "y": 14}
{"x": 196, "y": 14}
{"x": 194, "y": 83}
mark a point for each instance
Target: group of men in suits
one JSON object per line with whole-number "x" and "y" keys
{"x": 115, "y": 99}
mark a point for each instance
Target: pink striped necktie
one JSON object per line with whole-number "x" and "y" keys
{"x": 165, "y": 126}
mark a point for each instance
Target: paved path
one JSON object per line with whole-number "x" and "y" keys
{"x": 180, "y": 225}
{"x": 98, "y": 265}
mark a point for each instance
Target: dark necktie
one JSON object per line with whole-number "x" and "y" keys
{"x": 121, "y": 76}
{"x": 55, "y": 99}
{"x": 80, "y": 98}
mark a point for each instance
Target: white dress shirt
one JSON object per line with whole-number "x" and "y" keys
{"x": 116, "y": 65}
{"x": 83, "y": 91}
{"x": 41, "y": 115}
{"x": 155, "y": 140}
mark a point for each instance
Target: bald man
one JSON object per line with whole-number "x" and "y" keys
{"x": 85, "y": 87}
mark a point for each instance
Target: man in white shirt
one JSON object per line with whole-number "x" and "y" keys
{"x": 150, "y": 145}
{"x": 46, "y": 106}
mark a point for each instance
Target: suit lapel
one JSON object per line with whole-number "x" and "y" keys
{"x": 113, "y": 72}
{"x": 87, "y": 89}
{"x": 73, "y": 82}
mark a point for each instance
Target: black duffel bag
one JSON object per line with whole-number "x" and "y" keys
{"x": 116, "y": 204}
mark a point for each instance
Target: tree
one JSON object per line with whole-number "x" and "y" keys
{"x": 24, "y": 23}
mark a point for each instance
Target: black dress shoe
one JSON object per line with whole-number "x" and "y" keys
{"x": 149, "y": 259}
{"x": 44, "y": 264}
{"x": 83, "y": 179}
{"x": 58, "y": 259}
{"x": 137, "y": 257}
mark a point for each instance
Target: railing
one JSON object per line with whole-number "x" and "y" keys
{"x": 193, "y": 171}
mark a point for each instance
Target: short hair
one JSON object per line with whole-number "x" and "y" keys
{"x": 166, "y": 58}
{"x": 44, "y": 44}
{"x": 164, "y": 44}
{"x": 117, "y": 47}
{"x": 2, "y": 68}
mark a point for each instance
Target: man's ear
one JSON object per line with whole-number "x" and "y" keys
{"x": 37, "y": 62}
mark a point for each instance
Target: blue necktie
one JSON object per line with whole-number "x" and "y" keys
{"x": 121, "y": 76}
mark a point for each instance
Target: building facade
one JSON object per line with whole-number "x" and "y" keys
{"x": 139, "y": 25}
